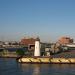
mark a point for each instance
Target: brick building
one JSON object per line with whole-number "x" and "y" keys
{"x": 65, "y": 40}
{"x": 29, "y": 42}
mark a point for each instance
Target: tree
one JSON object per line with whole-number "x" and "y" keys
{"x": 20, "y": 52}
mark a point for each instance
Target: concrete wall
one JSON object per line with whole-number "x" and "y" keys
{"x": 46, "y": 60}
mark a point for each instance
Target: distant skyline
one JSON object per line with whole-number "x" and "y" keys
{"x": 48, "y": 19}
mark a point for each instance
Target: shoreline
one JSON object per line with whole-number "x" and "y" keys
{"x": 42, "y": 60}
{"x": 46, "y": 60}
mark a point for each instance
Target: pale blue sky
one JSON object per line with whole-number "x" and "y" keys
{"x": 48, "y": 19}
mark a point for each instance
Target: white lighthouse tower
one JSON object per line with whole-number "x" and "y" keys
{"x": 37, "y": 47}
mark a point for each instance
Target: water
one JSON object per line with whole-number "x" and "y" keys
{"x": 9, "y": 66}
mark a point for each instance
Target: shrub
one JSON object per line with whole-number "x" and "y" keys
{"x": 20, "y": 52}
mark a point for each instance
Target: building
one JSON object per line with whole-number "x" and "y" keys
{"x": 1, "y": 43}
{"x": 29, "y": 42}
{"x": 65, "y": 40}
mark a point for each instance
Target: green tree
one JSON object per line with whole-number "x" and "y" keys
{"x": 20, "y": 52}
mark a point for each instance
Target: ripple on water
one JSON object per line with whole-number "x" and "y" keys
{"x": 9, "y": 66}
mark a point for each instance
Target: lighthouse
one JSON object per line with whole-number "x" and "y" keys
{"x": 37, "y": 47}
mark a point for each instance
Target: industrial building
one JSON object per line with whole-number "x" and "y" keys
{"x": 65, "y": 40}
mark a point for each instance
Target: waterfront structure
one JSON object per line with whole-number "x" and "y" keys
{"x": 37, "y": 48}
{"x": 47, "y": 51}
{"x": 46, "y": 60}
{"x": 64, "y": 58}
{"x": 1, "y": 44}
{"x": 65, "y": 40}
{"x": 71, "y": 45}
{"x": 37, "y": 58}
{"x": 28, "y": 42}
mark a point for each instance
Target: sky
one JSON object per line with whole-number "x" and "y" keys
{"x": 47, "y": 19}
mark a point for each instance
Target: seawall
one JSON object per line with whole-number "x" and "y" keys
{"x": 46, "y": 60}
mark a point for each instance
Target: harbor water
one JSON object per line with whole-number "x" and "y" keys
{"x": 9, "y": 66}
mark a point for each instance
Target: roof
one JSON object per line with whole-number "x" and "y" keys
{"x": 27, "y": 41}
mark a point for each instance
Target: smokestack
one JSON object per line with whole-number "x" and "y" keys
{"x": 37, "y": 47}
